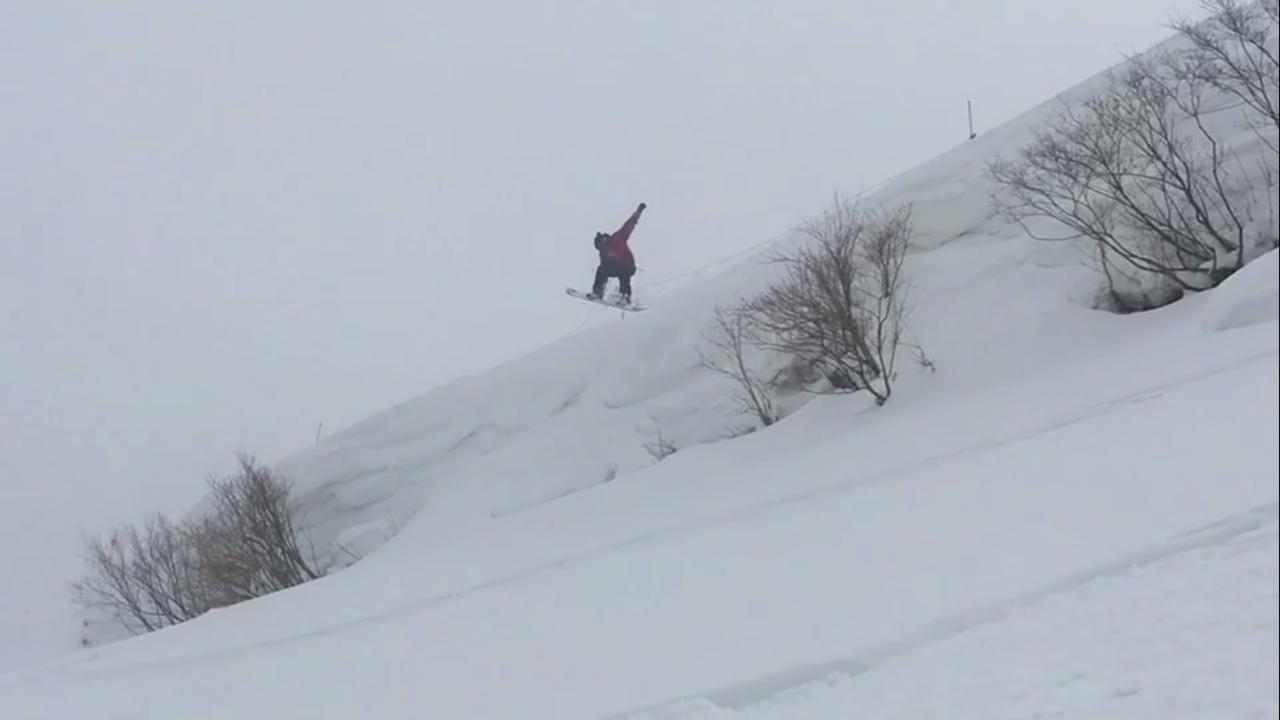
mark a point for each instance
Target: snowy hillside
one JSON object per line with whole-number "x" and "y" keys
{"x": 1074, "y": 515}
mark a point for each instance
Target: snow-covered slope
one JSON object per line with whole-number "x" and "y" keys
{"x": 1076, "y": 513}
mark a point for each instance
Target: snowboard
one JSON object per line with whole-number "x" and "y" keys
{"x": 607, "y": 301}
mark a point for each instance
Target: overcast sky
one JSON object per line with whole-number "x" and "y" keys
{"x": 224, "y": 223}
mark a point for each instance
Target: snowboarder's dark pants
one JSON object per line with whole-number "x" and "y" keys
{"x": 608, "y": 270}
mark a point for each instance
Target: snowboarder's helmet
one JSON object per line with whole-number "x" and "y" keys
{"x": 601, "y": 238}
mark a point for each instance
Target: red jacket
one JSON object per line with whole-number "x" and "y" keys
{"x": 615, "y": 251}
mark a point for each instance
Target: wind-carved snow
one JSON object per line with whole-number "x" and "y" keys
{"x": 1249, "y": 297}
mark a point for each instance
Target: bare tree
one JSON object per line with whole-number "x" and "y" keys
{"x": 1138, "y": 171}
{"x": 729, "y": 338}
{"x": 147, "y": 579}
{"x": 1237, "y": 50}
{"x": 247, "y": 543}
{"x": 1141, "y": 170}
{"x": 107, "y": 585}
{"x": 164, "y": 573}
{"x": 841, "y": 305}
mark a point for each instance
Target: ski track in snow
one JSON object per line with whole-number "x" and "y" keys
{"x": 762, "y": 690}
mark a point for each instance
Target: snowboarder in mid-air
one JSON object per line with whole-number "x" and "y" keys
{"x": 616, "y": 260}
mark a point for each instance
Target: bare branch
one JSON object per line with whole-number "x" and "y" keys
{"x": 729, "y": 338}
{"x": 1139, "y": 170}
{"x": 661, "y": 448}
{"x": 842, "y": 302}
{"x": 1235, "y": 50}
{"x": 147, "y": 579}
{"x": 248, "y": 545}
{"x": 165, "y": 573}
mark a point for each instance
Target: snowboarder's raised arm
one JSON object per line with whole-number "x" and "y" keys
{"x": 624, "y": 233}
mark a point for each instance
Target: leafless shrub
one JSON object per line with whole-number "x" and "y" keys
{"x": 1120, "y": 174}
{"x": 729, "y": 338}
{"x": 247, "y": 544}
{"x": 1140, "y": 170}
{"x": 1237, "y": 50}
{"x": 146, "y": 578}
{"x": 841, "y": 305}
{"x": 164, "y": 573}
